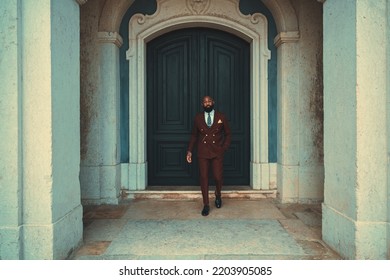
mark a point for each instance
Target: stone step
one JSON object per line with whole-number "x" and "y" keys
{"x": 193, "y": 194}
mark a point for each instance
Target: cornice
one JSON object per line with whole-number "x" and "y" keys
{"x": 110, "y": 37}
{"x": 286, "y": 37}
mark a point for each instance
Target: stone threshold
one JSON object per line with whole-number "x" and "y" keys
{"x": 176, "y": 194}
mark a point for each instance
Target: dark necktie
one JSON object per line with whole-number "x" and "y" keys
{"x": 208, "y": 120}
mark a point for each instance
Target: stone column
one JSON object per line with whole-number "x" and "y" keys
{"x": 259, "y": 166}
{"x": 137, "y": 172}
{"x": 356, "y": 77}
{"x": 109, "y": 117}
{"x": 41, "y": 216}
{"x": 288, "y": 116}
{"x": 100, "y": 116}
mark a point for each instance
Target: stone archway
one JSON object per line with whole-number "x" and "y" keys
{"x": 177, "y": 14}
{"x": 282, "y": 11}
{"x": 132, "y": 176}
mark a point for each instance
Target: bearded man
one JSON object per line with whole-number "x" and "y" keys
{"x": 212, "y": 136}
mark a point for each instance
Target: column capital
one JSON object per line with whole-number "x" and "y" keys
{"x": 110, "y": 37}
{"x": 286, "y": 37}
{"x": 81, "y": 2}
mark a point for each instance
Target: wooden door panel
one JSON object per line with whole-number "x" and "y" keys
{"x": 183, "y": 66}
{"x": 227, "y": 76}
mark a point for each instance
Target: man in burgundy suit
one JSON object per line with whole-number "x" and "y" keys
{"x": 211, "y": 133}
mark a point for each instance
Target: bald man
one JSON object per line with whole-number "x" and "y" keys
{"x": 212, "y": 136}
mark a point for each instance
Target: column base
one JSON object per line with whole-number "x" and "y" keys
{"x": 100, "y": 184}
{"x": 137, "y": 176}
{"x": 351, "y": 239}
{"x": 52, "y": 241}
{"x": 10, "y": 243}
{"x": 260, "y": 176}
{"x": 288, "y": 183}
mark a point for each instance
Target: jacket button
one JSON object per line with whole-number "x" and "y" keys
{"x": 214, "y": 142}
{"x": 204, "y": 142}
{"x": 213, "y": 134}
{"x": 206, "y": 135}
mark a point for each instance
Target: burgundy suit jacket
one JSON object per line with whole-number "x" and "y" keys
{"x": 211, "y": 141}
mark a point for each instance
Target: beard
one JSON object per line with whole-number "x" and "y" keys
{"x": 208, "y": 109}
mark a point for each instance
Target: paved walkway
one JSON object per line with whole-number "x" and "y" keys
{"x": 174, "y": 229}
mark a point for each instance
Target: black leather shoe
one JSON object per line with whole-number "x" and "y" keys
{"x": 218, "y": 201}
{"x": 206, "y": 210}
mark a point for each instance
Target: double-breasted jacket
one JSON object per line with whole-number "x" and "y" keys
{"x": 211, "y": 141}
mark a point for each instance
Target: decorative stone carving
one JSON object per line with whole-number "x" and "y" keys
{"x": 220, "y": 14}
{"x": 198, "y": 6}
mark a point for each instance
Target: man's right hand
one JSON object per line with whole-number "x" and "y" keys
{"x": 189, "y": 157}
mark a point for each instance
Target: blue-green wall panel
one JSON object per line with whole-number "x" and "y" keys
{"x": 139, "y": 6}
{"x": 257, "y": 6}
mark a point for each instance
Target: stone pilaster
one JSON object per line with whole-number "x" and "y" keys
{"x": 288, "y": 116}
{"x": 101, "y": 172}
{"x": 41, "y": 199}
{"x": 355, "y": 112}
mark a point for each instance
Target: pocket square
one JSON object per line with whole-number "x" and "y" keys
{"x": 219, "y": 121}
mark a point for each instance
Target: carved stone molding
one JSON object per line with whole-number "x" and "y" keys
{"x": 110, "y": 37}
{"x": 286, "y": 37}
{"x": 198, "y": 6}
{"x": 81, "y": 2}
{"x": 221, "y": 14}
{"x": 282, "y": 11}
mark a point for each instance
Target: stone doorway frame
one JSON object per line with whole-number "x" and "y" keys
{"x": 114, "y": 177}
{"x": 178, "y": 14}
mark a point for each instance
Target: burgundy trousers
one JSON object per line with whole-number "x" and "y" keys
{"x": 204, "y": 168}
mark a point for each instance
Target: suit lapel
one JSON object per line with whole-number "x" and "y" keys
{"x": 217, "y": 117}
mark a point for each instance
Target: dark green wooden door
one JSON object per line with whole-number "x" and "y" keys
{"x": 182, "y": 67}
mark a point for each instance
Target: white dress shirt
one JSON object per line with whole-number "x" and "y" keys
{"x": 211, "y": 116}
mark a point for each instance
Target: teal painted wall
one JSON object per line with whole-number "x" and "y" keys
{"x": 139, "y": 6}
{"x": 256, "y": 6}
{"x": 246, "y": 7}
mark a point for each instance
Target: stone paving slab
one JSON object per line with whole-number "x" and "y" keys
{"x": 184, "y": 210}
{"x": 201, "y": 238}
{"x": 242, "y": 229}
{"x": 310, "y": 218}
